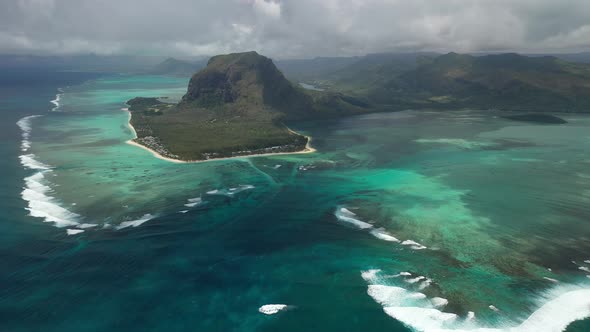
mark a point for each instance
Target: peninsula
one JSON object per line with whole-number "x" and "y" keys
{"x": 236, "y": 106}
{"x": 240, "y": 103}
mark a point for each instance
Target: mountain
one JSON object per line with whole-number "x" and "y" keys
{"x": 374, "y": 70}
{"x": 312, "y": 69}
{"x": 245, "y": 83}
{"x": 175, "y": 67}
{"x": 236, "y": 105}
{"x": 351, "y": 74}
{"x": 504, "y": 81}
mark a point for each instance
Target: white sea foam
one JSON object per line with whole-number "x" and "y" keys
{"x": 192, "y": 202}
{"x": 415, "y": 280}
{"x": 421, "y": 319}
{"x": 493, "y": 308}
{"x": 413, "y": 244}
{"x": 405, "y": 274}
{"x": 550, "y": 279}
{"x": 41, "y": 205}
{"x": 84, "y": 226}
{"x": 558, "y": 313}
{"x": 74, "y": 231}
{"x": 426, "y": 283}
{"x": 411, "y": 308}
{"x": 135, "y": 223}
{"x": 369, "y": 275}
{"x": 439, "y": 301}
{"x": 271, "y": 309}
{"x": 36, "y": 191}
{"x": 557, "y": 309}
{"x": 584, "y": 268}
{"x": 388, "y": 295}
{"x": 25, "y": 125}
{"x": 347, "y": 216}
{"x": 383, "y": 235}
{"x": 183, "y": 211}
{"x": 55, "y": 101}
{"x": 231, "y": 191}
{"x": 587, "y": 261}
{"x": 29, "y": 161}
{"x": 347, "y": 212}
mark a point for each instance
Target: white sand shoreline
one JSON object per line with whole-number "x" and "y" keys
{"x": 308, "y": 148}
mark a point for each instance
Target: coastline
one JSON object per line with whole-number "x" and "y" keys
{"x": 308, "y": 148}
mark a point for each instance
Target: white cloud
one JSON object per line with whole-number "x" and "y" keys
{"x": 268, "y": 7}
{"x": 291, "y": 28}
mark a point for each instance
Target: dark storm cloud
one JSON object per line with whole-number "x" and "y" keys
{"x": 291, "y": 28}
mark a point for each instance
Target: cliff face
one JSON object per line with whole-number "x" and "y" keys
{"x": 249, "y": 80}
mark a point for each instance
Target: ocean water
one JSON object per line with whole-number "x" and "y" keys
{"x": 406, "y": 221}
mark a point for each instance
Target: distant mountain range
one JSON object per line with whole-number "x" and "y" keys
{"x": 500, "y": 81}
{"x": 175, "y": 67}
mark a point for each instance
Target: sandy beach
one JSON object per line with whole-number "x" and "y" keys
{"x": 308, "y": 148}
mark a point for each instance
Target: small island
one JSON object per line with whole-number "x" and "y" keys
{"x": 536, "y": 118}
{"x": 237, "y": 106}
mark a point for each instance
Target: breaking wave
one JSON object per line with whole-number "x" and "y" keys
{"x": 55, "y": 101}
{"x": 231, "y": 191}
{"x": 25, "y": 125}
{"x": 350, "y": 218}
{"x": 136, "y": 222}
{"x": 557, "y": 308}
{"x": 37, "y": 192}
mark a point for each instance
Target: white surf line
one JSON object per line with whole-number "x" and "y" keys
{"x": 25, "y": 124}
{"x": 70, "y": 231}
{"x": 345, "y": 215}
{"x": 230, "y": 192}
{"x": 192, "y": 202}
{"x": 36, "y": 190}
{"x": 560, "y": 307}
{"x": 55, "y": 101}
{"x": 134, "y": 223}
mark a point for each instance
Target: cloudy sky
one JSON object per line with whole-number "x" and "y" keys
{"x": 292, "y": 28}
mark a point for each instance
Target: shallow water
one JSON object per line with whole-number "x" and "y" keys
{"x": 454, "y": 220}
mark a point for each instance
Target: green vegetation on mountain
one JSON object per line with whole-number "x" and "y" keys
{"x": 451, "y": 81}
{"x": 235, "y": 106}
